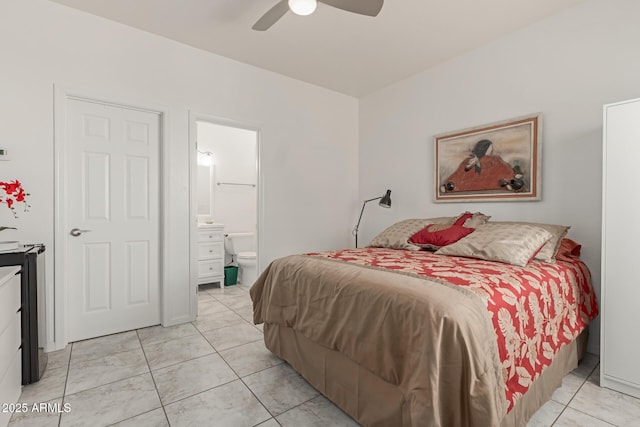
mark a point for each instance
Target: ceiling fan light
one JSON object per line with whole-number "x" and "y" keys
{"x": 303, "y": 7}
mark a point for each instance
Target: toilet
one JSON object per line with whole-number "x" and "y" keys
{"x": 241, "y": 247}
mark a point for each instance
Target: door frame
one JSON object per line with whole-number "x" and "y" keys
{"x": 56, "y": 298}
{"x": 193, "y": 165}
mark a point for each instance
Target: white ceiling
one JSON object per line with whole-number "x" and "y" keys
{"x": 342, "y": 51}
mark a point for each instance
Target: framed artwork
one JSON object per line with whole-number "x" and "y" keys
{"x": 495, "y": 162}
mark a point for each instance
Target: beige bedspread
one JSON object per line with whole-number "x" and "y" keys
{"x": 432, "y": 340}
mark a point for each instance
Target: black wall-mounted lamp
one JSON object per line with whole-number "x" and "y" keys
{"x": 385, "y": 202}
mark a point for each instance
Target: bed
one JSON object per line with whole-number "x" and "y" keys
{"x": 402, "y": 337}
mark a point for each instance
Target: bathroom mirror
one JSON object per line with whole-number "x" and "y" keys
{"x": 205, "y": 191}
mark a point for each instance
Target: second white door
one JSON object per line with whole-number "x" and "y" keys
{"x": 112, "y": 205}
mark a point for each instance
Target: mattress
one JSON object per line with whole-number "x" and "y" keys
{"x": 411, "y": 338}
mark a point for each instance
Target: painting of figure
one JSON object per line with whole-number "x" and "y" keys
{"x": 492, "y": 162}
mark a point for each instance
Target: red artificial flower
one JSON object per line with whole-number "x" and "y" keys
{"x": 11, "y": 187}
{"x": 14, "y": 193}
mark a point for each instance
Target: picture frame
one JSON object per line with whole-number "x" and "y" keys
{"x": 494, "y": 162}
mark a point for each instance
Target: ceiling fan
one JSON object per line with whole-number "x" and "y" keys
{"x": 307, "y": 7}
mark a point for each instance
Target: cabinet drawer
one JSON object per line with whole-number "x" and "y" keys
{"x": 209, "y": 236}
{"x": 9, "y": 301}
{"x": 9, "y": 343}
{"x": 210, "y": 250}
{"x": 210, "y": 268}
{"x": 10, "y": 385}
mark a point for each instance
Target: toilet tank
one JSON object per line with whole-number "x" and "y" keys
{"x": 240, "y": 242}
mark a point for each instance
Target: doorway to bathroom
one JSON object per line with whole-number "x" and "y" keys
{"x": 225, "y": 202}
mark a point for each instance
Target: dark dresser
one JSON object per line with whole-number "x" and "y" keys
{"x": 31, "y": 259}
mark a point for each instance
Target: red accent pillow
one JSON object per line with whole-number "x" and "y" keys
{"x": 435, "y": 236}
{"x": 568, "y": 249}
{"x": 463, "y": 218}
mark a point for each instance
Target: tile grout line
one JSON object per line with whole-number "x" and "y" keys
{"x": 113, "y": 382}
{"x": 233, "y": 310}
{"x": 172, "y": 339}
{"x": 179, "y": 362}
{"x": 110, "y": 354}
{"x": 584, "y": 381}
{"x": 209, "y": 389}
{"x": 587, "y": 414}
{"x": 566, "y": 405}
{"x": 241, "y": 380}
{"x": 273, "y": 416}
{"x": 185, "y": 361}
{"x": 66, "y": 380}
{"x": 154, "y": 382}
{"x": 198, "y": 393}
{"x": 586, "y": 378}
{"x": 196, "y": 332}
{"x": 257, "y": 398}
{"x": 237, "y": 377}
{"x": 109, "y": 383}
{"x": 228, "y": 348}
{"x": 130, "y": 418}
{"x": 582, "y": 385}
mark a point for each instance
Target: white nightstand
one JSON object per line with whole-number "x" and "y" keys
{"x": 211, "y": 254}
{"x": 10, "y": 352}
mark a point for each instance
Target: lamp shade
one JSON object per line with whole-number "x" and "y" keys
{"x": 385, "y": 202}
{"x": 303, "y": 7}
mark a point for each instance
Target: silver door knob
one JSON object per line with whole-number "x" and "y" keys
{"x": 75, "y": 232}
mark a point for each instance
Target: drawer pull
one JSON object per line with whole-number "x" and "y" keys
{"x": 210, "y": 250}
{"x": 210, "y": 268}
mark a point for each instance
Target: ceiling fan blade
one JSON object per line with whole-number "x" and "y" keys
{"x": 272, "y": 16}
{"x": 361, "y": 7}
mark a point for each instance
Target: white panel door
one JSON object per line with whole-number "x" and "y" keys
{"x": 112, "y": 208}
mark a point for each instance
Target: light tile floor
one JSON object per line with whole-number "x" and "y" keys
{"x": 217, "y": 372}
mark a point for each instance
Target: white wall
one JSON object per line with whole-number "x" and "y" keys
{"x": 235, "y": 161}
{"x": 309, "y": 135}
{"x": 566, "y": 67}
